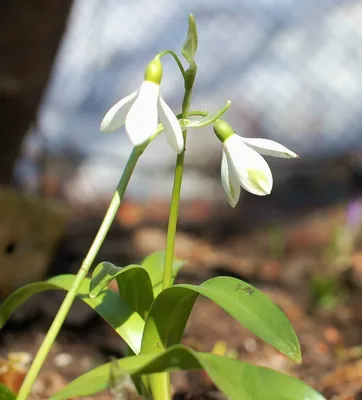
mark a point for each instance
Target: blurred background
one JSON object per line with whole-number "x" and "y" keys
{"x": 292, "y": 70}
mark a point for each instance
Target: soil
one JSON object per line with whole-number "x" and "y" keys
{"x": 310, "y": 271}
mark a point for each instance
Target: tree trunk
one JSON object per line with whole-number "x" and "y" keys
{"x": 30, "y": 32}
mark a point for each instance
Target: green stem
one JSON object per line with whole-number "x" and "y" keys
{"x": 175, "y": 200}
{"x": 160, "y": 384}
{"x": 176, "y": 58}
{"x": 87, "y": 263}
{"x": 172, "y": 221}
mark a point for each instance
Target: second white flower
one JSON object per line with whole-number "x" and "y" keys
{"x": 243, "y": 166}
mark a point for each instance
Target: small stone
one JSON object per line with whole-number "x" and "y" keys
{"x": 62, "y": 360}
{"x": 250, "y": 345}
{"x": 332, "y": 335}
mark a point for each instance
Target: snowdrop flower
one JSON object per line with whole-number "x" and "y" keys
{"x": 141, "y": 110}
{"x": 242, "y": 164}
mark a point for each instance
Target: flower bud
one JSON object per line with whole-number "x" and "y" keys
{"x": 153, "y": 71}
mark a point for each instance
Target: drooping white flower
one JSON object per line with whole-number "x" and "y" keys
{"x": 143, "y": 109}
{"x": 242, "y": 164}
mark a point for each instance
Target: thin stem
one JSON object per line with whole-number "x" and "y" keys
{"x": 161, "y": 387}
{"x": 207, "y": 120}
{"x": 172, "y": 221}
{"x": 196, "y": 113}
{"x": 175, "y": 56}
{"x": 87, "y": 263}
{"x": 175, "y": 200}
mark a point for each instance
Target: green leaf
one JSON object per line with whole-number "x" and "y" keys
{"x": 237, "y": 380}
{"x": 253, "y": 309}
{"x": 134, "y": 285}
{"x": 123, "y": 319}
{"x": 189, "y": 48}
{"x": 154, "y": 264}
{"x": 6, "y": 393}
{"x": 245, "y": 381}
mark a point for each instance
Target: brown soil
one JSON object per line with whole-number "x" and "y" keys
{"x": 282, "y": 261}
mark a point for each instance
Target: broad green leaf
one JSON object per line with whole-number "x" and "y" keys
{"x": 134, "y": 285}
{"x": 245, "y": 381}
{"x": 253, "y": 309}
{"x": 6, "y": 393}
{"x": 125, "y": 321}
{"x": 189, "y": 48}
{"x": 154, "y": 264}
{"x": 237, "y": 380}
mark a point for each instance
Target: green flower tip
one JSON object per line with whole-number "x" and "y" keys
{"x": 223, "y": 130}
{"x": 259, "y": 180}
{"x": 153, "y": 71}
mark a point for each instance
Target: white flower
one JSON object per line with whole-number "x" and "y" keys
{"x": 241, "y": 164}
{"x": 142, "y": 110}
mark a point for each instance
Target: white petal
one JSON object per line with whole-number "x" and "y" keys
{"x": 229, "y": 181}
{"x": 142, "y": 119}
{"x": 269, "y": 148}
{"x": 171, "y": 126}
{"x": 116, "y": 116}
{"x": 251, "y": 169}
